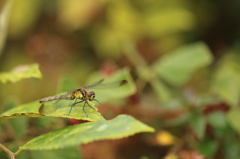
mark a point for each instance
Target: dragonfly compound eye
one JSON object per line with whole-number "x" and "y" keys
{"x": 92, "y": 96}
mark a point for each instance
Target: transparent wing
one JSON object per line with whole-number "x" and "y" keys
{"x": 106, "y": 85}
{"x": 52, "y": 106}
{"x": 98, "y": 82}
{"x": 89, "y": 86}
{"x": 98, "y": 85}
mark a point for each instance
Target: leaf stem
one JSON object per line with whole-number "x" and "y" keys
{"x": 16, "y": 153}
{"x": 12, "y": 155}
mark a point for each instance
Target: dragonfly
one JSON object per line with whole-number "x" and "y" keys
{"x": 78, "y": 96}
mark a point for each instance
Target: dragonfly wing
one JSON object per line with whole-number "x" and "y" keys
{"x": 52, "y": 106}
{"x": 94, "y": 84}
{"x": 106, "y": 85}
{"x": 89, "y": 86}
{"x": 98, "y": 82}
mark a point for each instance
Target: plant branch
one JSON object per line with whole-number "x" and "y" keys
{"x": 12, "y": 156}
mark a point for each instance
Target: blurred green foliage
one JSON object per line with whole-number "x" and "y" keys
{"x": 182, "y": 55}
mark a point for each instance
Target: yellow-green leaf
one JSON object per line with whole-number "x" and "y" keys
{"x": 21, "y": 72}
{"x": 72, "y": 152}
{"x": 119, "y": 127}
{"x": 35, "y": 109}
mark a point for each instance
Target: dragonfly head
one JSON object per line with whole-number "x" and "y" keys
{"x": 91, "y": 95}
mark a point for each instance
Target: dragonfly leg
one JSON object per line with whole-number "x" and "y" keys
{"x": 84, "y": 107}
{"x": 74, "y": 105}
{"x": 88, "y": 105}
{"x": 96, "y": 101}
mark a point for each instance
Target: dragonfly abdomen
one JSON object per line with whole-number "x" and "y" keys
{"x": 55, "y": 98}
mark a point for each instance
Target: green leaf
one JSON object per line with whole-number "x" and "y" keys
{"x": 35, "y": 109}
{"x": 177, "y": 67}
{"x": 119, "y": 127}
{"x": 217, "y": 119}
{"x": 208, "y": 148}
{"x": 21, "y": 72}
{"x": 72, "y": 152}
{"x": 226, "y": 81}
{"x": 198, "y": 125}
{"x": 234, "y": 118}
{"x": 107, "y": 95}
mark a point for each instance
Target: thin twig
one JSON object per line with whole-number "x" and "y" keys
{"x": 12, "y": 156}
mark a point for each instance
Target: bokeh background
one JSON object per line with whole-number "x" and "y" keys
{"x": 76, "y": 39}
